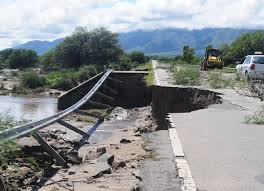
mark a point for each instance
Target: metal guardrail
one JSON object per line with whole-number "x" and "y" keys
{"x": 28, "y": 128}
{"x": 33, "y": 127}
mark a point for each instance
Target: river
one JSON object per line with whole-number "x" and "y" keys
{"x": 28, "y": 107}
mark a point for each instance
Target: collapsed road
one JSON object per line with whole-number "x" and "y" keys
{"x": 222, "y": 151}
{"x": 97, "y": 144}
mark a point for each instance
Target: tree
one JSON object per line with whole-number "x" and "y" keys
{"x": 244, "y": 45}
{"x": 48, "y": 61}
{"x": 4, "y": 56}
{"x": 99, "y": 47}
{"x": 137, "y": 57}
{"x": 22, "y": 58}
{"x": 188, "y": 54}
{"x": 32, "y": 80}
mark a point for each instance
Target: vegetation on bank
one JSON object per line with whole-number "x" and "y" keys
{"x": 80, "y": 56}
{"x": 149, "y": 79}
{"x": 8, "y": 149}
{"x": 256, "y": 118}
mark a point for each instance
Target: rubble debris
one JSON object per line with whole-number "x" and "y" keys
{"x": 106, "y": 158}
{"x": 125, "y": 141}
{"x": 101, "y": 150}
{"x": 101, "y": 169}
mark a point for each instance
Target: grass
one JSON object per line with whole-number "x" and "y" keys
{"x": 187, "y": 75}
{"x": 228, "y": 70}
{"x": 150, "y": 155}
{"x": 144, "y": 67}
{"x": 32, "y": 162}
{"x": 83, "y": 118}
{"x": 256, "y": 118}
{"x": 149, "y": 79}
{"x": 216, "y": 80}
{"x": 8, "y": 149}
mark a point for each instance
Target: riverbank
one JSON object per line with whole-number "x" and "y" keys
{"x": 111, "y": 160}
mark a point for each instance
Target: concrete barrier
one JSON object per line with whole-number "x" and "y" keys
{"x": 72, "y": 96}
{"x": 132, "y": 92}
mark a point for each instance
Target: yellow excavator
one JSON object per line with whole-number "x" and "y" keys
{"x": 212, "y": 59}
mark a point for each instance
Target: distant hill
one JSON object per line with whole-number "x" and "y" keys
{"x": 171, "y": 41}
{"x": 164, "y": 41}
{"x": 40, "y": 46}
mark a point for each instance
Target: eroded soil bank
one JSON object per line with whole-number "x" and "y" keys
{"x": 110, "y": 161}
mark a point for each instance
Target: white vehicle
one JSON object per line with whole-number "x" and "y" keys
{"x": 251, "y": 67}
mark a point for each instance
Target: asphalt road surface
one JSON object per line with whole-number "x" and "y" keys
{"x": 223, "y": 152}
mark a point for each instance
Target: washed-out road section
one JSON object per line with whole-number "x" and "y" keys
{"x": 223, "y": 152}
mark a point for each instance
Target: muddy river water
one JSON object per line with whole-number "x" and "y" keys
{"x": 28, "y": 107}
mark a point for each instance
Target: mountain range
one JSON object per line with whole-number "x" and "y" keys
{"x": 163, "y": 42}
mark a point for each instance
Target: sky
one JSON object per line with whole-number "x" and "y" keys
{"x": 25, "y": 20}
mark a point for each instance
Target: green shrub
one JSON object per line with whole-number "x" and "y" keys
{"x": 144, "y": 67}
{"x": 8, "y": 149}
{"x": 187, "y": 76}
{"x": 86, "y": 72}
{"x": 218, "y": 80}
{"x": 231, "y": 66}
{"x": 256, "y": 118}
{"x": 32, "y": 80}
{"x": 64, "y": 84}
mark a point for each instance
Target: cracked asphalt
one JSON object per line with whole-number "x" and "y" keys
{"x": 223, "y": 152}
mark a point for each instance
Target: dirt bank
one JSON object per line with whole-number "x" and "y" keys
{"x": 110, "y": 161}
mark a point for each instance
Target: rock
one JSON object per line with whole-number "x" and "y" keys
{"x": 72, "y": 172}
{"x": 61, "y": 142}
{"x": 102, "y": 167}
{"x": 64, "y": 170}
{"x": 24, "y": 171}
{"x": 73, "y": 157}
{"x": 92, "y": 155}
{"x": 53, "y": 135}
{"x": 141, "y": 130}
{"x": 136, "y": 173}
{"x": 120, "y": 164}
{"x": 106, "y": 158}
{"x": 59, "y": 132}
{"x": 48, "y": 139}
{"x": 69, "y": 184}
{"x": 136, "y": 188}
{"x": 101, "y": 150}
{"x": 125, "y": 141}
{"x": 99, "y": 175}
{"x": 133, "y": 165}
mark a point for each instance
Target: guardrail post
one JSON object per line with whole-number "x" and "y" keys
{"x": 49, "y": 149}
{"x": 71, "y": 127}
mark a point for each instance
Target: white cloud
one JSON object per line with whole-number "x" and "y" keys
{"x": 23, "y": 20}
